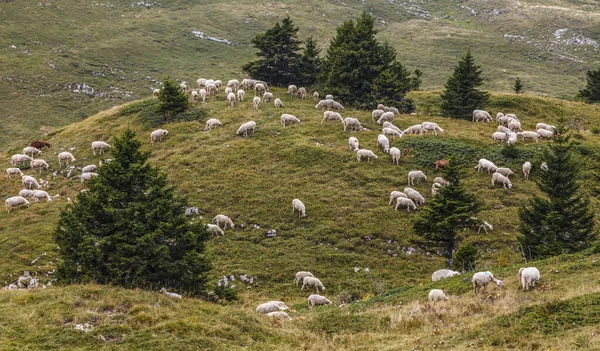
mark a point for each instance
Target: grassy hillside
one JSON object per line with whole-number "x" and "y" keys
{"x": 348, "y": 226}
{"x": 121, "y": 50}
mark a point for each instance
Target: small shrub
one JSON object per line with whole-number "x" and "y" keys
{"x": 23, "y": 167}
{"x": 596, "y": 130}
{"x": 510, "y": 151}
{"x": 224, "y": 293}
{"x": 465, "y": 258}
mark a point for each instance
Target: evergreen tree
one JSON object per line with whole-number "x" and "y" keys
{"x": 130, "y": 228}
{"x": 279, "y": 52}
{"x": 518, "y": 86}
{"x": 561, "y": 221}
{"x": 445, "y": 214}
{"x": 416, "y": 80}
{"x": 171, "y": 100}
{"x": 461, "y": 96}
{"x": 591, "y": 92}
{"x": 310, "y": 63}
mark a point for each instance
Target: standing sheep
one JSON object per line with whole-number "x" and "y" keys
{"x": 310, "y": 282}
{"x": 297, "y": 205}
{"x": 39, "y": 144}
{"x": 408, "y": 203}
{"x": 38, "y": 195}
{"x": 415, "y": 175}
{"x": 483, "y": 113}
{"x": 391, "y": 131}
{"x": 32, "y": 150}
{"x": 512, "y": 125}
{"x": 501, "y": 179}
{"x": 300, "y": 276}
{"x": 384, "y": 142}
{"x": 15, "y": 201}
{"x": 482, "y": 279}
{"x": 246, "y": 127}
{"x": 376, "y": 114}
{"x": 504, "y": 171}
{"x": 260, "y": 89}
{"x": 486, "y": 165}
{"x": 233, "y": 84}
{"x": 394, "y": 195}
{"x": 365, "y": 153}
{"x": 529, "y": 276}
{"x": 292, "y": 90}
{"x": 302, "y": 93}
{"x": 39, "y": 163}
{"x": 332, "y": 116}
{"x": 231, "y": 99}
{"x": 391, "y": 125}
{"x": 278, "y": 103}
{"x": 20, "y": 159}
{"x": 65, "y": 157}
{"x": 353, "y": 143}
{"x": 352, "y": 123}
{"x": 267, "y": 97}
{"x": 543, "y": 133}
{"x": 529, "y": 135}
{"x": 437, "y": 295}
{"x": 100, "y": 146}
{"x": 285, "y": 118}
{"x": 224, "y": 220}
{"x": 13, "y": 171}
{"x": 432, "y": 126}
{"x": 416, "y": 129}
{"x": 414, "y": 195}
{"x": 316, "y": 96}
{"x": 29, "y": 181}
{"x": 241, "y": 95}
{"x": 194, "y": 96}
{"x": 203, "y": 94}
{"x": 526, "y": 169}
{"x": 212, "y": 122}
{"x": 157, "y": 135}
{"x": 395, "y": 153}
{"x": 386, "y": 117}
{"x": 214, "y": 229}
{"x": 256, "y": 102}
{"x": 317, "y": 300}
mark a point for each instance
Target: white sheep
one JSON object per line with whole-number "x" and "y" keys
{"x": 267, "y": 97}
{"x": 214, "y": 229}
{"x": 404, "y": 202}
{"x": 32, "y": 150}
{"x": 440, "y": 181}
{"x": 224, "y": 220}
{"x": 317, "y": 300}
{"x": 483, "y": 115}
{"x": 20, "y": 159}
{"x": 29, "y": 181}
{"x": 482, "y": 279}
{"x": 246, "y": 127}
{"x": 414, "y": 195}
{"x": 26, "y": 193}
{"x": 443, "y": 274}
{"x": 353, "y": 143}
{"x": 415, "y": 175}
{"x": 282, "y": 305}
{"x": 99, "y": 146}
{"x": 203, "y": 93}
{"x": 231, "y": 99}
{"x": 211, "y": 89}
{"x": 297, "y": 205}
{"x": 416, "y": 129}
{"x": 201, "y": 82}
{"x": 512, "y": 125}
{"x": 278, "y": 103}
{"x": 526, "y": 169}
{"x": 39, "y": 163}
{"x": 395, "y": 195}
{"x": 395, "y": 153}
{"x": 384, "y": 142}
{"x": 332, "y": 116}
{"x": 247, "y": 83}
{"x": 545, "y": 126}
{"x": 256, "y": 102}
{"x": 38, "y": 195}
{"x": 512, "y": 138}
{"x": 170, "y": 294}
{"x": 218, "y": 84}
{"x": 502, "y": 129}
{"x": 498, "y": 115}
{"x": 323, "y": 104}
{"x": 336, "y": 106}
{"x": 212, "y": 122}
{"x": 302, "y": 93}
{"x": 437, "y": 295}
{"x": 500, "y": 136}
{"x": 16, "y": 171}
{"x": 486, "y": 165}
{"x": 233, "y": 84}
{"x": 287, "y": 118}
{"x": 391, "y": 131}
{"x": 316, "y": 96}
{"x": 482, "y": 225}
{"x": 241, "y": 95}
{"x": 543, "y": 133}
{"x": 157, "y": 135}
{"x": 504, "y": 171}
{"x": 544, "y": 166}
{"x": 260, "y": 88}
{"x": 391, "y": 125}
{"x": 279, "y": 315}
{"x": 362, "y": 153}
{"x": 329, "y": 97}
{"x": 529, "y": 135}
{"x": 353, "y": 123}
{"x": 155, "y": 92}
{"x": 87, "y": 176}
{"x": 310, "y": 282}
{"x": 268, "y": 307}
{"x": 300, "y": 276}
{"x": 183, "y": 87}
{"x": 89, "y": 168}
{"x": 435, "y": 189}
{"x": 15, "y": 201}
{"x": 513, "y": 116}
{"x": 376, "y": 114}
{"x": 529, "y": 276}
{"x": 292, "y": 90}
{"x": 427, "y": 126}
{"x": 498, "y": 178}
{"x": 382, "y": 107}
{"x": 386, "y": 117}
{"x": 194, "y": 95}
{"x": 228, "y": 90}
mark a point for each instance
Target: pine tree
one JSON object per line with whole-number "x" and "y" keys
{"x": 130, "y": 228}
{"x": 416, "y": 80}
{"x": 591, "y": 92}
{"x": 518, "y": 86}
{"x": 310, "y": 63}
{"x": 171, "y": 100}
{"x": 439, "y": 222}
{"x": 279, "y": 52}
{"x": 561, "y": 221}
{"x": 461, "y": 96}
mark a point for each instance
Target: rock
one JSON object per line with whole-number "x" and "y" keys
{"x": 271, "y": 233}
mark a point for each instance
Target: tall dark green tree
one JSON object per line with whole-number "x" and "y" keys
{"x": 130, "y": 228}
{"x": 171, "y": 100}
{"x": 518, "y": 86}
{"x": 279, "y": 52}
{"x": 440, "y": 221}
{"x": 560, "y": 221}
{"x": 591, "y": 92}
{"x": 310, "y": 63}
{"x": 461, "y": 96}
{"x": 416, "y": 80}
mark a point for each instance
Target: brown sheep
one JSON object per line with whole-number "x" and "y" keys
{"x": 440, "y": 163}
{"x": 39, "y": 144}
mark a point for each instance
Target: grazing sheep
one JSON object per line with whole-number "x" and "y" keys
{"x": 498, "y": 115}
{"x": 479, "y": 114}
{"x": 352, "y": 123}
{"x": 504, "y": 120}
{"x": 203, "y": 93}
{"x": 15, "y": 201}
{"x": 32, "y": 150}
{"x": 39, "y": 144}
{"x": 384, "y": 142}
{"x": 529, "y": 135}
{"x": 300, "y": 276}
{"x": 404, "y": 202}
{"x": 233, "y": 84}
{"x": 414, "y": 195}
{"x": 392, "y": 126}
{"x": 529, "y": 276}
{"x": 427, "y": 126}
{"x": 416, "y": 129}
{"x": 317, "y": 300}
{"x": 13, "y": 171}
{"x": 155, "y": 93}
{"x": 486, "y": 165}
{"x": 38, "y": 195}
{"x": 302, "y": 93}
{"x": 100, "y": 146}
{"x": 212, "y": 122}
{"x": 482, "y": 225}
{"x": 267, "y": 97}
{"x": 395, "y": 153}
{"x": 218, "y": 84}
{"x": 512, "y": 138}
{"x": 482, "y": 279}
{"x": 310, "y": 282}
{"x": 268, "y": 307}
{"x": 353, "y": 143}
{"x": 224, "y": 220}
{"x": 19, "y": 159}
{"x": 391, "y": 131}
{"x": 39, "y": 163}
{"x": 170, "y": 294}
{"x": 316, "y": 96}
{"x": 201, "y": 82}
{"x": 157, "y": 135}
{"x": 292, "y": 90}
{"x": 502, "y": 129}
{"x": 545, "y": 126}
{"x": 279, "y": 315}
{"x": 214, "y": 229}
{"x": 526, "y": 169}
{"x": 500, "y": 136}
{"x": 337, "y": 106}
{"x": 256, "y": 102}
{"x": 386, "y": 117}
{"x": 194, "y": 96}
{"x": 329, "y": 97}
{"x": 504, "y": 171}
{"x": 382, "y": 107}
{"x": 65, "y": 157}
{"x": 396, "y": 194}
{"x": 513, "y": 116}
{"x": 376, "y": 114}
{"x": 443, "y": 274}
{"x": 89, "y": 168}
{"x": 415, "y": 175}
{"x": 278, "y": 103}
{"x": 501, "y": 179}
{"x": 26, "y": 193}
{"x": 440, "y": 181}
{"x": 544, "y": 166}
{"x": 297, "y": 205}
{"x": 246, "y": 127}
{"x": 365, "y": 153}
{"x": 29, "y": 181}
{"x": 260, "y": 89}
{"x": 543, "y": 133}
{"x": 440, "y": 163}
{"x": 332, "y": 116}
{"x": 87, "y": 176}
{"x": 437, "y": 295}
{"x": 241, "y": 95}
{"x": 323, "y": 104}
{"x": 515, "y": 125}
{"x": 183, "y": 87}
{"x": 435, "y": 189}
{"x": 247, "y": 83}
{"x": 231, "y": 99}
{"x": 285, "y": 118}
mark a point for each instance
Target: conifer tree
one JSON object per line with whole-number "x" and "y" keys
{"x": 591, "y": 92}
{"x": 171, "y": 100}
{"x": 461, "y": 96}
{"x": 561, "y": 220}
{"x": 130, "y": 228}
{"x": 439, "y": 222}
{"x": 416, "y": 80}
{"x": 310, "y": 63}
{"x": 518, "y": 86}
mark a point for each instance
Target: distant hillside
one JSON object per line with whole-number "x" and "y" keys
{"x": 64, "y": 60}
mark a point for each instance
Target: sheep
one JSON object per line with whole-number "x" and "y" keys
{"x": 170, "y": 294}
{"x": 15, "y": 201}
{"x": 212, "y": 122}
{"x": 211, "y": 89}
{"x": 214, "y": 229}
{"x": 278, "y": 103}
{"x": 502, "y": 129}
{"x": 292, "y": 90}
{"x": 414, "y": 195}
{"x": 231, "y": 99}
{"x": 100, "y": 146}
{"x": 365, "y": 153}
{"x": 267, "y": 97}
{"x": 11, "y": 171}
{"x": 155, "y": 93}
{"x": 486, "y": 165}
{"x": 244, "y": 128}
{"x": 529, "y": 276}
{"x": 415, "y": 175}
{"x": 256, "y": 102}
{"x": 268, "y": 307}
{"x": 437, "y": 295}
{"x": 332, "y": 116}
{"x": 39, "y": 144}
{"x": 201, "y": 82}
{"x": 526, "y": 169}
{"x": 241, "y": 95}
{"x": 329, "y": 97}
{"x": 504, "y": 171}
{"x": 218, "y": 84}
{"x": 225, "y": 220}
{"x": 316, "y": 96}
{"x": 285, "y": 118}
{"x": 281, "y": 304}
{"x": 395, "y": 153}
{"x": 260, "y": 89}
{"x": 386, "y": 116}
{"x": 395, "y": 195}
{"x": 26, "y": 193}
{"x": 544, "y": 166}
{"x": 183, "y": 87}
{"x": 233, "y": 84}
{"x": 443, "y": 274}
{"x": 543, "y": 133}
{"x": 416, "y": 129}
{"x": 500, "y": 136}
{"x": 209, "y": 82}
{"x": 353, "y": 143}
{"x": 29, "y": 181}
{"x": 392, "y": 126}
{"x": 89, "y": 168}
{"x": 32, "y": 150}
{"x": 512, "y": 138}
{"x": 39, "y": 163}
{"x": 499, "y": 178}
{"x": 408, "y": 203}
{"x": 20, "y": 159}
{"x": 480, "y": 114}
{"x": 310, "y": 282}
{"x": 440, "y": 181}
{"x": 203, "y": 93}
{"x": 485, "y": 226}
{"x": 529, "y": 135}
{"x": 512, "y": 125}
{"x": 384, "y": 142}
{"x": 87, "y": 176}
{"x": 337, "y": 106}
{"x": 376, "y": 114}
{"x": 247, "y": 83}
{"x": 504, "y": 120}
{"x": 157, "y": 135}
{"x": 545, "y": 126}
{"x": 297, "y": 205}
{"x": 300, "y": 276}
{"x": 435, "y": 189}
{"x": 323, "y": 104}
{"x": 317, "y": 300}
{"x": 279, "y": 315}
{"x": 302, "y": 93}
{"x": 353, "y": 123}
{"x": 482, "y": 279}
{"x": 440, "y": 163}
{"x": 37, "y": 195}
{"x": 513, "y": 116}
{"x": 498, "y": 115}
{"x": 382, "y": 107}
{"x": 393, "y": 132}
{"x": 194, "y": 95}
{"x": 427, "y": 126}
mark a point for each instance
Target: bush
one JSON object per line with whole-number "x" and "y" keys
{"x": 223, "y": 293}
{"x": 510, "y": 151}
{"x": 465, "y": 258}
